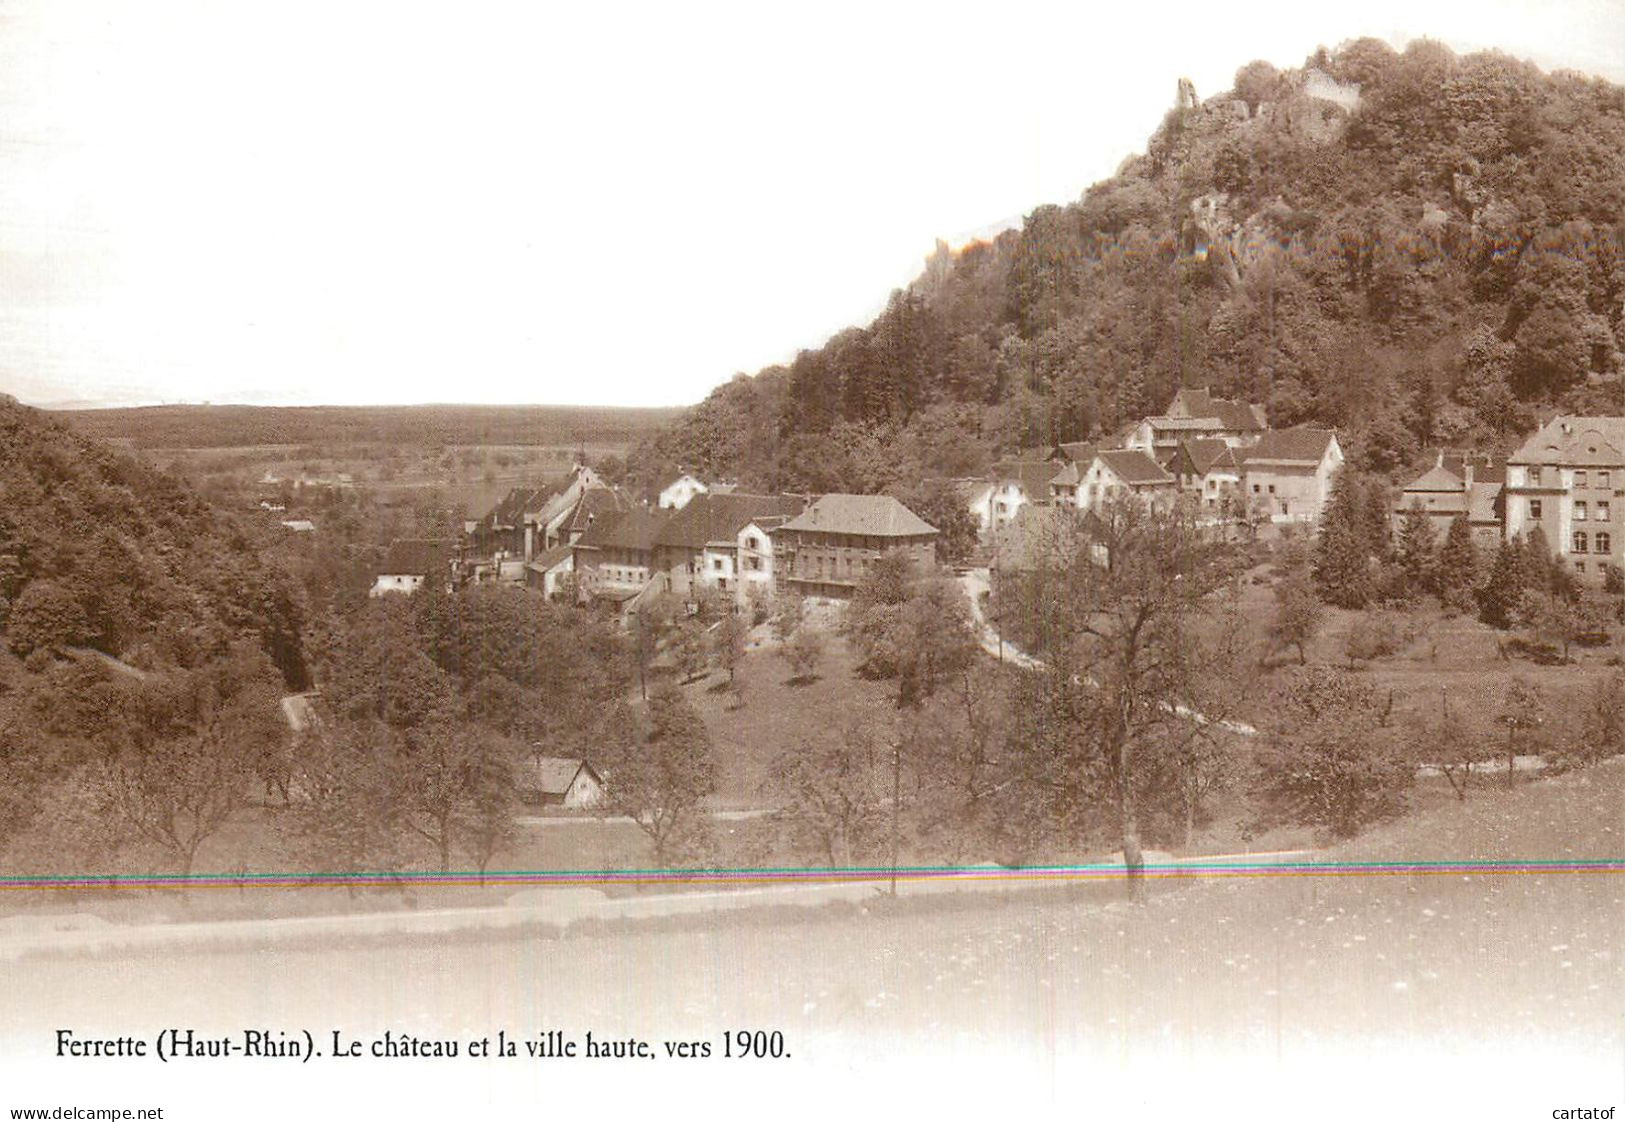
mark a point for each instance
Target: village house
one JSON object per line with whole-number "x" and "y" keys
{"x": 1197, "y": 414}
{"x": 1015, "y": 483}
{"x": 410, "y": 562}
{"x": 827, "y": 548}
{"x": 697, "y": 550}
{"x": 559, "y": 781}
{"x": 1289, "y": 472}
{"x": 550, "y": 571}
{"x": 680, "y": 491}
{"x": 1457, "y": 485}
{"x": 613, "y": 560}
{"x": 755, "y": 560}
{"x": 531, "y": 520}
{"x": 1209, "y": 474}
{"x": 1113, "y": 474}
{"x": 1564, "y": 481}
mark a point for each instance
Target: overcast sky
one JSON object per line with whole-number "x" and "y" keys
{"x": 345, "y": 202}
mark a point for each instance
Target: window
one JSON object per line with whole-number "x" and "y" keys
{"x": 1602, "y": 512}
{"x": 1272, "y": 488}
{"x": 1580, "y": 512}
{"x": 1534, "y": 509}
{"x": 1603, "y": 479}
{"x": 1255, "y": 488}
{"x": 1212, "y": 485}
{"x": 716, "y": 564}
{"x": 1579, "y": 479}
{"x": 1605, "y": 543}
{"x": 1579, "y": 566}
{"x": 1534, "y": 476}
{"x": 1579, "y": 541}
{"x": 756, "y": 563}
{"x": 752, "y": 543}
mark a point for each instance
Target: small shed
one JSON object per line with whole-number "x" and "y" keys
{"x": 559, "y": 781}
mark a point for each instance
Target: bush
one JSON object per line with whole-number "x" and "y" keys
{"x": 1332, "y": 761}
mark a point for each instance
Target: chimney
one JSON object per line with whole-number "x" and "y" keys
{"x": 1467, "y": 474}
{"x": 1439, "y": 463}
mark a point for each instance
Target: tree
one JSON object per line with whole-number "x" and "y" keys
{"x": 1342, "y": 565}
{"x": 1417, "y": 550}
{"x": 688, "y": 650}
{"x": 1297, "y": 613}
{"x": 1600, "y": 733}
{"x": 803, "y": 653}
{"x": 908, "y": 627}
{"x": 659, "y": 777}
{"x": 1456, "y": 569}
{"x": 729, "y": 641}
{"x": 176, "y": 761}
{"x": 1523, "y": 715}
{"x": 1449, "y": 745}
{"x": 1330, "y": 761}
{"x": 1098, "y": 737}
{"x": 832, "y": 794}
{"x": 1509, "y": 583}
{"x": 346, "y": 800}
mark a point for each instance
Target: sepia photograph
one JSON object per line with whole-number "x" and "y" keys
{"x": 755, "y": 560}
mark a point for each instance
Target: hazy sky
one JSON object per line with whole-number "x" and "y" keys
{"x": 589, "y": 203}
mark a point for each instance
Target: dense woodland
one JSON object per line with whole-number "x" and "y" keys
{"x": 1430, "y": 264}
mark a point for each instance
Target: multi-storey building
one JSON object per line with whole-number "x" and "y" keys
{"x": 827, "y": 548}
{"x": 1566, "y": 481}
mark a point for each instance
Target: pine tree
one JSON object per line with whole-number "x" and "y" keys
{"x": 1508, "y": 582}
{"x": 1417, "y": 551}
{"x": 1342, "y": 553}
{"x": 1456, "y": 570}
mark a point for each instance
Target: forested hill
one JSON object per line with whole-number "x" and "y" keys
{"x": 1415, "y": 247}
{"x": 98, "y": 549}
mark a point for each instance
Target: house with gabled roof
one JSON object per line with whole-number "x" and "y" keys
{"x": 679, "y": 492}
{"x": 1289, "y": 472}
{"x": 1015, "y": 483}
{"x": 559, "y": 781}
{"x": 1209, "y": 475}
{"x": 550, "y": 571}
{"x": 1115, "y": 473}
{"x": 697, "y": 549}
{"x": 1196, "y": 414}
{"x": 1565, "y": 480}
{"x": 613, "y": 560}
{"x": 1457, "y": 484}
{"x": 826, "y": 549}
{"x": 754, "y": 560}
{"x": 410, "y": 562}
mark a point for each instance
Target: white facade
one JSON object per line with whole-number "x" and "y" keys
{"x": 679, "y": 491}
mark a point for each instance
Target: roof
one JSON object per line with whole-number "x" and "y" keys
{"x": 1206, "y": 454}
{"x": 547, "y": 559}
{"x": 1232, "y": 415}
{"x": 1575, "y": 442}
{"x": 1079, "y": 451}
{"x": 299, "y": 710}
{"x": 1436, "y": 478}
{"x": 596, "y": 502}
{"x": 868, "y": 515}
{"x": 1033, "y": 476}
{"x": 552, "y": 775}
{"x": 634, "y": 529}
{"x": 416, "y": 557}
{"x": 712, "y": 517}
{"x": 1133, "y": 466}
{"x": 1070, "y": 476}
{"x": 1300, "y": 445}
{"x": 510, "y": 509}
{"x": 1185, "y": 424}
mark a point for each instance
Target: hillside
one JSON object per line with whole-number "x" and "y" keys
{"x": 236, "y": 426}
{"x": 1416, "y": 248}
{"x": 98, "y": 549}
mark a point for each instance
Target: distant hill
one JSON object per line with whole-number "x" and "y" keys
{"x": 99, "y": 549}
{"x": 233, "y": 426}
{"x": 1416, "y": 248}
